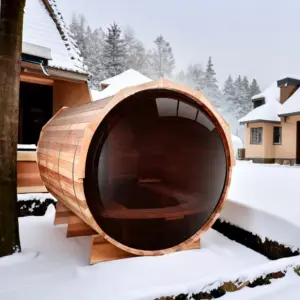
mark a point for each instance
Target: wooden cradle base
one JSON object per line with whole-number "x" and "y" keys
{"x": 101, "y": 250}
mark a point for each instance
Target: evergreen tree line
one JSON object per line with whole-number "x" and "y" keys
{"x": 114, "y": 50}
{"x": 235, "y": 97}
{"x": 110, "y": 52}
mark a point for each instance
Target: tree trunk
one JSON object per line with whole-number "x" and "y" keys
{"x": 11, "y": 25}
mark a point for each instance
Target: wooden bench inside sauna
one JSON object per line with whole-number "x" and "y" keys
{"x": 145, "y": 172}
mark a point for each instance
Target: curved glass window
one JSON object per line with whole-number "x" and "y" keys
{"x": 159, "y": 165}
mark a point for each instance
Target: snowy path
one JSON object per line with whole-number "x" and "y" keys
{"x": 53, "y": 267}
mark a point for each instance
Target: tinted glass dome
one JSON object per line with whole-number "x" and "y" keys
{"x": 156, "y": 170}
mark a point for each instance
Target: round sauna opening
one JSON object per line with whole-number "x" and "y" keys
{"x": 155, "y": 171}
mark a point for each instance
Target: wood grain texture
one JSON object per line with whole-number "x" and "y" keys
{"x": 102, "y": 250}
{"x": 62, "y": 214}
{"x": 26, "y": 156}
{"x": 31, "y": 189}
{"x": 62, "y": 157}
{"x": 76, "y": 227}
{"x": 28, "y": 175}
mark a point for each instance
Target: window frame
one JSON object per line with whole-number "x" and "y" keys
{"x": 280, "y": 135}
{"x": 252, "y": 129}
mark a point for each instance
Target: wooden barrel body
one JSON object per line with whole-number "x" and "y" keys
{"x": 148, "y": 168}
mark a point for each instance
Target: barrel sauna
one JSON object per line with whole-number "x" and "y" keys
{"x": 147, "y": 169}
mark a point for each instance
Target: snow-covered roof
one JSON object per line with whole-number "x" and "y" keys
{"x": 44, "y": 26}
{"x": 119, "y": 82}
{"x": 267, "y": 112}
{"x": 129, "y": 77}
{"x": 95, "y": 95}
{"x": 272, "y": 93}
{"x": 292, "y": 105}
{"x": 293, "y": 76}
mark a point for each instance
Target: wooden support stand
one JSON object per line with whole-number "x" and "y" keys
{"x": 62, "y": 214}
{"x": 76, "y": 227}
{"x": 101, "y": 250}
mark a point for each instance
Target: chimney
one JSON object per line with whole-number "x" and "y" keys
{"x": 103, "y": 86}
{"x": 288, "y": 86}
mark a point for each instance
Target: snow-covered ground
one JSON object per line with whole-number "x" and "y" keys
{"x": 264, "y": 199}
{"x": 54, "y": 267}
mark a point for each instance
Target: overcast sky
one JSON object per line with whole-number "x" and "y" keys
{"x": 257, "y": 38}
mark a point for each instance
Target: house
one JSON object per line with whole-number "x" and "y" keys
{"x": 52, "y": 75}
{"x": 273, "y": 126}
{"x": 113, "y": 85}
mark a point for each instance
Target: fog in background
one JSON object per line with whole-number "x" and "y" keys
{"x": 255, "y": 38}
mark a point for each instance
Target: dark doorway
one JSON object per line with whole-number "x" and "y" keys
{"x": 298, "y": 144}
{"x": 35, "y": 111}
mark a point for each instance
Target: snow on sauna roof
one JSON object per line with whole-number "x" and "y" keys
{"x": 292, "y": 105}
{"x": 119, "y": 82}
{"x": 44, "y": 26}
{"x": 267, "y": 112}
{"x": 272, "y": 93}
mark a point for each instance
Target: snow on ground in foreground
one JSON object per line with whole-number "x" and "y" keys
{"x": 285, "y": 288}
{"x": 54, "y": 267}
{"x": 264, "y": 199}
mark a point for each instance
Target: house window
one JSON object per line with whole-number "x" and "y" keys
{"x": 277, "y": 135}
{"x": 258, "y": 103}
{"x": 256, "y": 136}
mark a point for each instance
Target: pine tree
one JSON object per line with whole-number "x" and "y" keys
{"x": 229, "y": 92}
{"x": 210, "y": 86}
{"x": 195, "y": 76}
{"x": 161, "y": 58}
{"x": 78, "y": 30}
{"x": 239, "y": 96}
{"x": 246, "y": 84}
{"x": 94, "y": 49}
{"x": 246, "y": 99}
{"x": 210, "y": 81}
{"x": 114, "y": 52}
{"x": 90, "y": 44}
{"x": 254, "y": 88}
{"x": 137, "y": 57}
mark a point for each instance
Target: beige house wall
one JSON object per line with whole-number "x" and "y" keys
{"x": 254, "y": 151}
{"x": 288, "y": 147}
{"x": 268, "y": 140}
